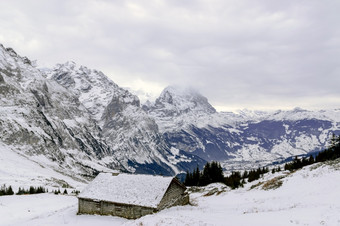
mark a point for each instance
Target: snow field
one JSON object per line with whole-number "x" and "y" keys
{"x": 307, "y": 197}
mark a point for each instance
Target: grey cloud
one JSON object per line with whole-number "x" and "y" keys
{"x": 238, "y": 53}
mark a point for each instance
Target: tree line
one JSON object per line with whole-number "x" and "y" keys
{"x": 4, "y": 190}
{"x": 213, "y": 172}
{"x": 32, "y": 190}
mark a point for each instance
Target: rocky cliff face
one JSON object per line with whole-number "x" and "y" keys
{"x": 39, "y": 117}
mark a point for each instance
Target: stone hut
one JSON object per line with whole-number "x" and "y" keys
{"x": 130, "y": 196}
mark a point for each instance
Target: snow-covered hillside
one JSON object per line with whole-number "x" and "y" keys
{"x": 309, "y": 196}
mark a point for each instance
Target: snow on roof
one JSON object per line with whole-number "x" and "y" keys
{"x": 141, "y": 190}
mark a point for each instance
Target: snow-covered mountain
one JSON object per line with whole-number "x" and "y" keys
{"x": 131, "y": 134}
{"x": 175, "y": 101}
{"x": 188, "y": 122}
{"x": 80, "y": 121}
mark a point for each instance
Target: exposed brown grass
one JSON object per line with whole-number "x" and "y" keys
{"x": 274, "y": 183}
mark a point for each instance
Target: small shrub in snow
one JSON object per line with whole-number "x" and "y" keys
{"x": 75, "y": 192}
{"x": 256, "y": 185}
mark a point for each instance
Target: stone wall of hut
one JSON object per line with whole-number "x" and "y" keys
{"x": 88, "y": 206}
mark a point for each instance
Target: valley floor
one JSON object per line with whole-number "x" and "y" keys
{"x": 308, "y": 197}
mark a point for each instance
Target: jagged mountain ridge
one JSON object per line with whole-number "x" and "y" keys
{"x": 246, "y": 136}
{"x": 76, "y": 117}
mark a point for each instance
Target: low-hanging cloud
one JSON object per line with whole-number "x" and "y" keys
{"x": 240, "y": 54}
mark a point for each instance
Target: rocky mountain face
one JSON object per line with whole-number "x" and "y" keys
{"x": 132, "y": 135}
{"x": 78, "y": 119}
{"x": 243, "y": 137}
{"x": 40, "y": 118}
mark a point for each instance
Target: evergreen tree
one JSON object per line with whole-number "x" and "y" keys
{"x": 245, "y": 174}
{"x": 9, "y": 191}
{"x": 196, "y": 176}
{"x": 32, "y": 190}
{"x": 206, "y": 175}
{"x": 3, "y": 190}
{"x": 234, "y": 180}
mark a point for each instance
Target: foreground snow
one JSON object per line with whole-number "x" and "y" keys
{"x": 308, "y": 197}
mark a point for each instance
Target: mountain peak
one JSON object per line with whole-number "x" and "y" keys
{"x": 175, "y": 100}
{"x": 93, "y": 88}
{"x": 8, "y": 53}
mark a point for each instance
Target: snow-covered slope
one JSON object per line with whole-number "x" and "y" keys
{"x": 309, "y": 196}
{"x": 21, "y": 170}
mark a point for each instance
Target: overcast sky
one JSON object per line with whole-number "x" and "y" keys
{"x": 255, "y": 54}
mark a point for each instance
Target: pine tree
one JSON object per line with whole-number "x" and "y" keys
{"x": 32, "y": 190}
{"x": 205, "y": 178}
{"x": 196, "y": 176}
{"x": 189, "y": 179}
{"x": 10, "y": 191}
{"x": 245, "y": 174}
{"x": 3, "y": 190}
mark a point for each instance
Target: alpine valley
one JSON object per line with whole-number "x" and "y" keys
{"x": 76, "y": 122}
